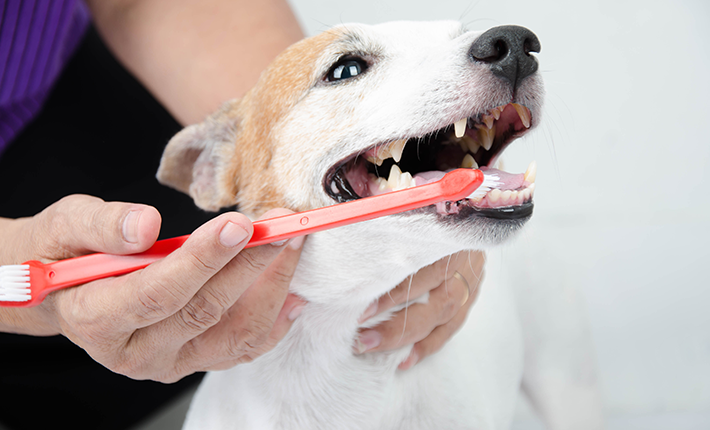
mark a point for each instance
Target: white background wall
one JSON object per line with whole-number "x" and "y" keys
{"x": 621, "y": 202}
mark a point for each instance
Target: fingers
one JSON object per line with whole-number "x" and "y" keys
{"x": 166, "y": 286}
{"x": 230, "y": 317}
{"x": 440, "y": 335}
{"x": 258, "y": 320}
{"x": 414, "y": 323}
{"x": 420, "y": 283}
{"x": 429, "y": 326}
{"x": 80, "y": 224}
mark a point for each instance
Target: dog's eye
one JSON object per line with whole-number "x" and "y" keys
{"x": 346, "y": 68}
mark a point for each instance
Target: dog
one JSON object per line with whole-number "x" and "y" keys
{"x": 362, "y": 110}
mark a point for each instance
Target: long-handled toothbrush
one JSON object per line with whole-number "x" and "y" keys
{"x": 27, "y": 284}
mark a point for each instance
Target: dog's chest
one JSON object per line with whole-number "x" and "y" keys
{"x": 312, "y": 379}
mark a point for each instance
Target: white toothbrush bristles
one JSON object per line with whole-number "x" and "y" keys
{"x": 489, "y": 182}
{"x": 15, "y": 283}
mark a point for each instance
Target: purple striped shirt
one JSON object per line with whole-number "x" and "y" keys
{"x": 37, "y": 38}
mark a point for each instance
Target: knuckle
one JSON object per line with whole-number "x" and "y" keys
{"x": 253, "y": 264}
{"x": 249, "y": 339}
{"x": 449, "y": 308}
{"x": 201, "y": 313}
{"x": 152, "y": 304}
{"x": 280, "y": 277}
{"x": 202, "y": 266}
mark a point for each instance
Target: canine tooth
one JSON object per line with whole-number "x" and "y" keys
{"x": 494, "y": 195}
{"x": 396, "y": 148}
{"x": 488, "y": 120}
{"x": 531, "y": 173}
{"x": 486, "y": 136}
{"x": 523, "y": 113}
{"x": 460, "y": 127}
{"x": 468, "y": 162}
{"x": 526, "y": 194}
{"x": 395, "y": 175}
{"x": 532, "y": 189}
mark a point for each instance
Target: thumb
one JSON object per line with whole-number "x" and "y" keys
{"x": 80, "y": 224}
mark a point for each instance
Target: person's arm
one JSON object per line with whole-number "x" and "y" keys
{"x": 194, "y": 55}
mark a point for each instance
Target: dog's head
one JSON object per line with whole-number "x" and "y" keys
{"x": 361, "y": 110}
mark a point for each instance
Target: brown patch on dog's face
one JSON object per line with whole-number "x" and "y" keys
{"x": 278, "y": 90}
{"x": 226, "y": 160}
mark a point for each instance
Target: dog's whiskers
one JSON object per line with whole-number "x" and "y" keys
{"x": 406, "y": 308}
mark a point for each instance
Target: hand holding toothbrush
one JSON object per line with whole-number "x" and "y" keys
{"x": 149, "y": 317}
{"x": 206, "y": 306}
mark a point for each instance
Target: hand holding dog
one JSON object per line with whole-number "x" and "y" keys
{"x": 207, "y": 306}
{"x": 428, "y": 326}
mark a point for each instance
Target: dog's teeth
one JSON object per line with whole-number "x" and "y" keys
{"x": 486, "y": 136}
{"x": 463, "y": 143}
{"x": 384, "y": 153}
{"x": 375, "y": 160}
{"x": 488, "y": 120}
{"x": 523, "y": 113}
{"x": 526, "y": 194}
{"x": 460, "y": 127}
{"x": 505, "y": 196}
{"x": 531, "y": 173}
{"x": 532, "y": 189}
{"x": 396, "y": 148}
{"x": 495, "y": 112}
{"x": 494, "y": 195}
{"x": 405, "y": 181}
{"x": 468, "y": 162}
{"x": 395, "y": 175}
{"x": 472, "y": 145}
{"x": 513, "y": 197}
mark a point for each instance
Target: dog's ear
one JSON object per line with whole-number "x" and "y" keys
{"x": 195, "y": 159}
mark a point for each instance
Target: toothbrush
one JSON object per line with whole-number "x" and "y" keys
{"x": 28, "y": 284}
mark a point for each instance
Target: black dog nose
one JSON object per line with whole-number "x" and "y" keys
{"x": 507, "y": 50}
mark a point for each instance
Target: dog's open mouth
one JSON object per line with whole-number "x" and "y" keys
{"x": 474, "y": 142}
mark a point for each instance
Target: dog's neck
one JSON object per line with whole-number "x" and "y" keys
{"x": 341, "y": 273}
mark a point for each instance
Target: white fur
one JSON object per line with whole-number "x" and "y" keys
{"x": 422, "y": 81}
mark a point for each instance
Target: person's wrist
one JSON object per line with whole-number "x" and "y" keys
{"x": 35, "y": 321}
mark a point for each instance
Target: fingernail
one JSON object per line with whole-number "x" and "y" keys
{"x": 297, "y": 242}
{"x": 232, "y": 235}
{"x": 368, "y": 340}
{"x": 295, "y": 312}
{"x": 410, "y": 361}
{"x": 369, "y": 312}
{"x": 130, "y": 226}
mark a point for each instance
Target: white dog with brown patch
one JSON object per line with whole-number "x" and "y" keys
{"x": 357, "y": 111}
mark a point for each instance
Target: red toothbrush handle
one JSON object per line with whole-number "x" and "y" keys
{"x": 454, "y": 186}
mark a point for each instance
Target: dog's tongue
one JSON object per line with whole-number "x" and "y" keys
{"x": 508, "y": 181}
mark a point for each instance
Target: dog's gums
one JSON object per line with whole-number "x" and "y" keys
{"x": 472, "y": 142}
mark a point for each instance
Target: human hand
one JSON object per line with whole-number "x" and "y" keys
{"x": 452, "y": 284}
{"x": 207, "y": 306}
